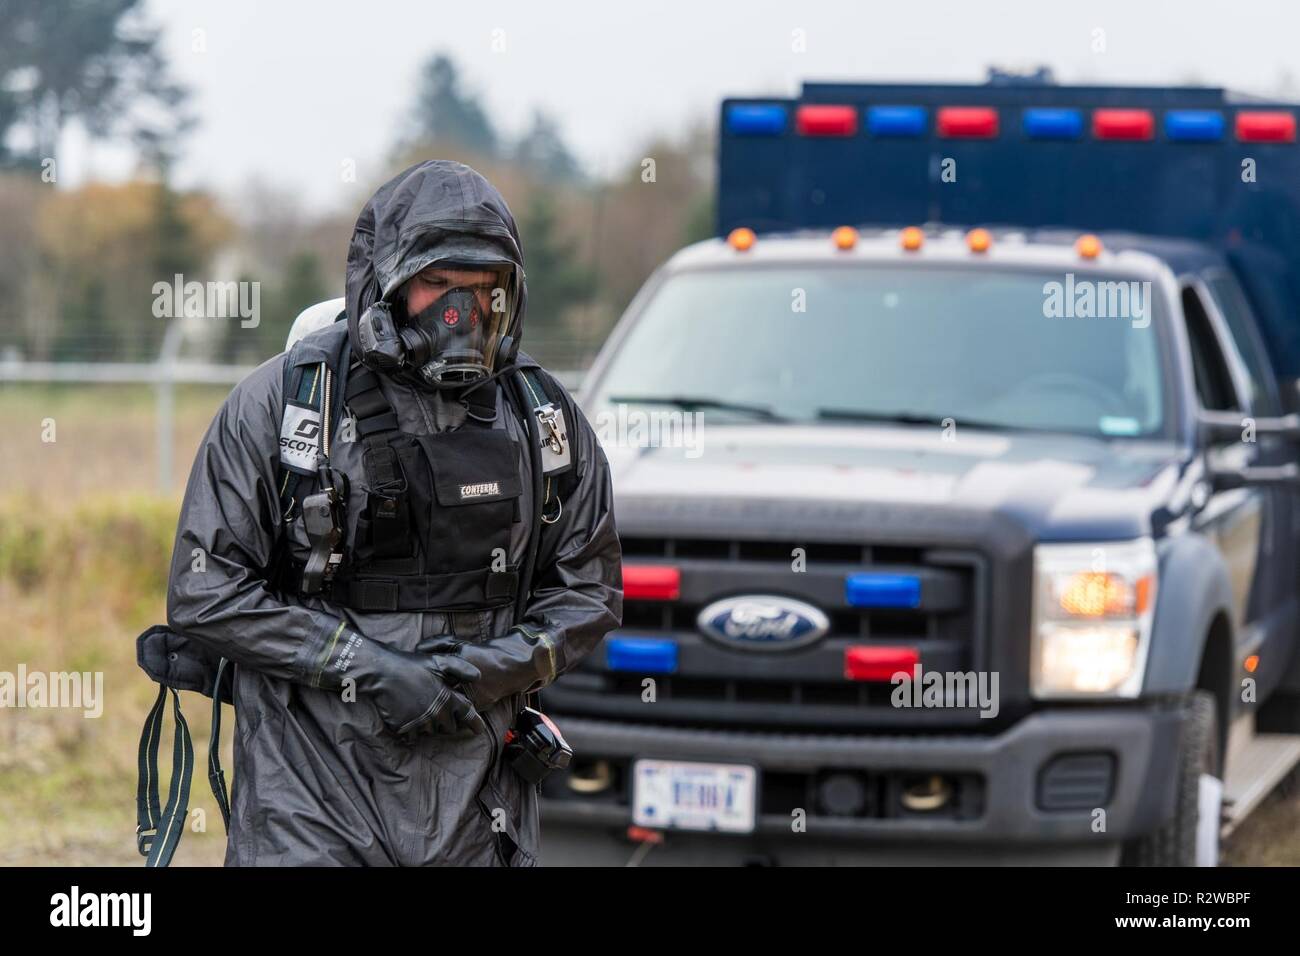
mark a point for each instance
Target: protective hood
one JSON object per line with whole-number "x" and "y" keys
{"x": 438, "y": 210}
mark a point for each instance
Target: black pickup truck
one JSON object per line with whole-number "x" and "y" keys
{"x": 956, "y": 482}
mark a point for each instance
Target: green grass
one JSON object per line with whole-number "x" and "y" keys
{"x": 78, "y": 585}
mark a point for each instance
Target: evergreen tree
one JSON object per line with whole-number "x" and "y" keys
{"x": 446, "y": 113}
{"x": 543, "y": 153}
{"x": 557, "y": 281}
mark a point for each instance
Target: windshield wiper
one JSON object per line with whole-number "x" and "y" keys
{"x": 695, "y": 403}
{"x": 903, "y": 418}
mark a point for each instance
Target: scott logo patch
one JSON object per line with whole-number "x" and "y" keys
{"x": 300, "y": 438}
{"x": 480, "y": 490}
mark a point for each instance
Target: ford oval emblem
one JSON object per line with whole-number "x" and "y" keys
{"x": 763, "y": 622}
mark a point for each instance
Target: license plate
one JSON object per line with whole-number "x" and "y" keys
{"x": 669, "y": 794}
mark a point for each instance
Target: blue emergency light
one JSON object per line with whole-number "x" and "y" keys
{"x": 1194, "y": 126}
{"x": 881, "y": 589}
{"x": 642, "y": 655}
{"x": 756, "y": 119}
{"x": 1049, "y": 123}
{"x": 896, "y": 120}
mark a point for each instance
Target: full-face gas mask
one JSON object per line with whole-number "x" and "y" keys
{"x": 450, "y": 343}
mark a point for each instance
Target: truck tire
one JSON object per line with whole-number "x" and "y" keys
{"x": 1199, "y": 792}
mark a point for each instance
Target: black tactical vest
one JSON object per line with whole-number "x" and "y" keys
{"x": 435, "y": 530}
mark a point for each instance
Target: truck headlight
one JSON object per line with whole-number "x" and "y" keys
{"x": 1092, "y": 611}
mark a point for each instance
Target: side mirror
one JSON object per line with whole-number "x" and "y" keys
{"x": 1220, "y": 428}
{"x": 1263, "y": 476}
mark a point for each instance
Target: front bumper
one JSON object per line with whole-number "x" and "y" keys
{"x": 1009, "y": 767}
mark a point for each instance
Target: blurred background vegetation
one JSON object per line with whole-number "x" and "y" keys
{"x": 79, "y": 264}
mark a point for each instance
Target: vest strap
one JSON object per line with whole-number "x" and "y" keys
{"x": 365, "y": 590}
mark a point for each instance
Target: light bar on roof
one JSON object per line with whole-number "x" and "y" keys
{"x": 1050, "y": 123}
{"x": 968, "y": 122}
{"x": 820, "y": 120}
{"x": 1265, "y": 126}
{"x": 900, "y": 121}
{"x": 756, "y": 119}
{"x": 1194, "y": 126}
{"x": 1123, "y": 124}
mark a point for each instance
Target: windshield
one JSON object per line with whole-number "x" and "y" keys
{"x": 983, "y": 347}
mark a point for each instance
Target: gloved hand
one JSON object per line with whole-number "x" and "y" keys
{"x": 415, "y": 692}
{"x": 519, "y": 660}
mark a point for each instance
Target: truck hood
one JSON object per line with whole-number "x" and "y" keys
{"x": 1056, "y": 487}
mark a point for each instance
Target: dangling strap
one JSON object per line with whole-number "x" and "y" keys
{"x": 216, "y": 776}
{"x": 158, "y": 831}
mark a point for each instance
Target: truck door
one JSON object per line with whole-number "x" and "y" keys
{"x": 1274, "y": 604}
{"x": 1234, "y": 519}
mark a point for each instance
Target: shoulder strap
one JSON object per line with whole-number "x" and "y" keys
{"x": 386, "y": 506}
{"x": 559, "y": 469}
{"x": 302, "y": 416}
{"x": 302, "y": 411}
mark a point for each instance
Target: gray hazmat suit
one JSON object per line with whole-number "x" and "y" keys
{"x": 320, "y": 777}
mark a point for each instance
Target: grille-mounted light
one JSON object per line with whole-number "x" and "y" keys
{"x": 651, "y": 582}
{"x": 882, "y": 590}
{"x": 641, "y": 655}
{"x": 870, "y": 663}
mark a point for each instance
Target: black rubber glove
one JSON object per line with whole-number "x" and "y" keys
{"x": 415, "y": 692}
{"x": 522, "y": 659}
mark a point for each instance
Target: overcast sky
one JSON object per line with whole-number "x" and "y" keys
{"x": 285, "y": 92}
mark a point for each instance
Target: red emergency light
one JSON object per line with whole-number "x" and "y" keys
{"x": 1265, "y": 126}
{"x": 651, "y": 582}
{"x": 1123, "y": 124}
{"x": 826, "y": 120}
{"x": 870, "y": 663}
{"x": 967, "y": 122}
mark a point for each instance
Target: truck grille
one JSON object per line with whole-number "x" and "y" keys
{"x": 717, "y": 685}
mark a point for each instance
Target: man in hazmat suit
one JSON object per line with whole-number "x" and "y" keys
{"x": 406, "y": 528}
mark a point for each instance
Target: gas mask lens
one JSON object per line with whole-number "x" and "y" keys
{"x": 453, "y": 341}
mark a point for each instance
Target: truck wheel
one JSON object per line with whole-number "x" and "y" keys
{"x": 1191, "y": 838}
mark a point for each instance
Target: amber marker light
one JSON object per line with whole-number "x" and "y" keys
{"x": 741, "y": 239}
{"x": 979, "y": 240}
{"x": 1088, "y": 246}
